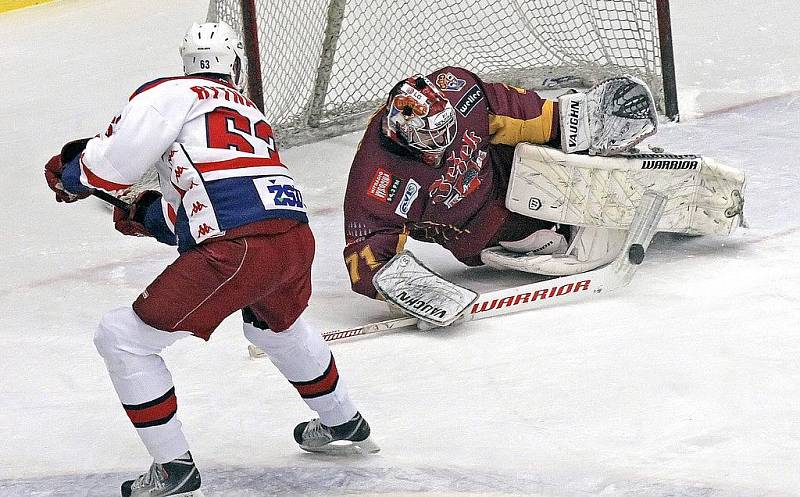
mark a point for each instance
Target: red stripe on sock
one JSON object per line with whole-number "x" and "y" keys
{"x": 323, "y": 385}
{"x": 163, "y": 410}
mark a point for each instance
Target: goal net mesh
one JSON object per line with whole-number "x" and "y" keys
{"x": 325, "y": 61}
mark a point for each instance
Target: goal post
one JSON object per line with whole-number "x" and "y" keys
{"x": 323, "y": 66}
{"x": 255, "y": 85}
{"x": 670, "y": 86}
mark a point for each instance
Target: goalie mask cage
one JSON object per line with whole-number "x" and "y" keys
{"x": 320, "y": 67}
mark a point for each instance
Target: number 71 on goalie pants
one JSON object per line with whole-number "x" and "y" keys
{"x": 473, "y": 306}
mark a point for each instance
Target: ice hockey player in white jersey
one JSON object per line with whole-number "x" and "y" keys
{"x": 232, "y": 208}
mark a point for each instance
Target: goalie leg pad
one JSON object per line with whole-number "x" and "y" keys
{"x": 591, "y": 248}
{"x": 704, "y": 197}
{"x": 540, "y": 242}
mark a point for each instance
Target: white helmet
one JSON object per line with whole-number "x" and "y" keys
{"x": 214, "y": 47}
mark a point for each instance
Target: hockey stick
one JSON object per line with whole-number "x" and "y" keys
{"x": 367, "y": 329}
{"x": 561, "y": 290}
{"x": 583, "y": 285}
{"x": 148, "y": 181}
{"x": 111, "y": 199}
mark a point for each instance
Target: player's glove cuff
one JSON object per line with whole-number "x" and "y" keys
{"x": 71, "y": 179}
{"x": 132, "y": 221}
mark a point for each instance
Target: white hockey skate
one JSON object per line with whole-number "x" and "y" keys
{"x": 177, "y": 478}
{"x": 348, "y": 438}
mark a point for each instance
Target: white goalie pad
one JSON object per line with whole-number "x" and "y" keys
{"x": 407, "y": 283}
{"x": 591, "y": 248}
{"x": 704, "y": 197}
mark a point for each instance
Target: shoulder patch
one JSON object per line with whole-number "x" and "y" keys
{"x": 384, "y": 186}
{"x": 469, "y": 100}
{"x": 409, "y": 196}
{"x": 448, "y": 82}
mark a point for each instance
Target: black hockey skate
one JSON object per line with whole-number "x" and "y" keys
{"x": 177, "y": 478}
{"x": 351, "y": 437}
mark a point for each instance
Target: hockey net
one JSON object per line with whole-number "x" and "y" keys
{"x": 325, "y": 63}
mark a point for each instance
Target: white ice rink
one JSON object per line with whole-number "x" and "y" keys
{"x": 684, "y": 384}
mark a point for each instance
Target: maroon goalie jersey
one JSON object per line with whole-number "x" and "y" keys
{"x": 392, "y": 195}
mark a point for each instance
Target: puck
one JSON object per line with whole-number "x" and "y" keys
{"x": 636, "y": 253}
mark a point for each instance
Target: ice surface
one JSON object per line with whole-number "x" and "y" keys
{"x": 687, "y": 383}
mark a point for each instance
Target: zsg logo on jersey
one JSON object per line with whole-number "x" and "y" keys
{"x": 279, "y": 192}
{"x": 286, "y": 195}
{"x": 409, "y": 196}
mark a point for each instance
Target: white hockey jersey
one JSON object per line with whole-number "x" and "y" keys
{"x": 216, "y": 159}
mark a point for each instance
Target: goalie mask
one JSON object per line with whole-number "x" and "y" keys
{"x": 214, "y": 47}
{"x": 420, "y": 118}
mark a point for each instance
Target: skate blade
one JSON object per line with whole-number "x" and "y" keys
{"x": 366, "y": 446}
{"x": 193, "y": 493}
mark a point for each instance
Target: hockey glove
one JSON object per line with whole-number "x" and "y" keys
{"x": 54, "y": 170}
{"x": 132, "y": 221}
{"x": 609, "y": 119}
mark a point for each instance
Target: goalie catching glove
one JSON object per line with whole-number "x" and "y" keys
{"x": 609, "y": 119}
{"x": 546, "y": 251}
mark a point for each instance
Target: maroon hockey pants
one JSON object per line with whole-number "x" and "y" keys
{"x": 270, "y": 273}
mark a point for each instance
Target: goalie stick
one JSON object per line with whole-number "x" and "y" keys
{"x": 561, "y": 290}
{"x": 367, "y": 329}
